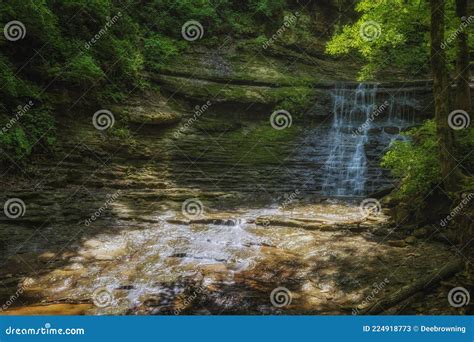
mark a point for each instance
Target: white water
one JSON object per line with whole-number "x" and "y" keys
{"x": 346, "y": 167}
{"x": 355, "y": 112}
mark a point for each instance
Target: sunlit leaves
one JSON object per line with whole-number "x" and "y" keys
{"x": 415, "y": 161}
{"x": 401, "y": 42}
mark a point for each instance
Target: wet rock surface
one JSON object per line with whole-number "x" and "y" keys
{"x": 104, "y": 231}
{"x": 167, "y": 267}
{"x": 218, "y": 213}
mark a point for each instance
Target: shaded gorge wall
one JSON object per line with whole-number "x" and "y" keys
{"x": 333, "y": 149}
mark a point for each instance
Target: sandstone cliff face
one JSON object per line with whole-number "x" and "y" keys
{"x": 295, "y": 81}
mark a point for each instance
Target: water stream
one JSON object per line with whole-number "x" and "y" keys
{"x": 142, "y": 255}
{"x": 357, "y": 114}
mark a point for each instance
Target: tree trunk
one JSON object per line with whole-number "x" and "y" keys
{"x": 463, "y": 92}
{"x": 441, "y": 89}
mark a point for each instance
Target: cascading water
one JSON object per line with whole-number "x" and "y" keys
{"x": 346, "y": 167}
{"x": 357, "y": 112}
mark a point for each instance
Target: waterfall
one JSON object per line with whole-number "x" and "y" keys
{"x": 346, "y": 167}
{"x": 363, "y": 123}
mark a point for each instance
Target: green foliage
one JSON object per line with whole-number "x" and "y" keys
{"x": 97, "y": 51}
{"x": 22, "y": 135}
{"x": 415, "y": 162}
{"x": 121, "y": 133}
{"x": 159, "y": 50}
{"x": 267, "y": 7}
{"x": 16, "y": 141}
{"x": 83, "y": 71}
{"x": 390, "y": 34}
{"x": 219, "y": 18}
{"x": 83, "y": 40}
{"x": 11, "y": 86}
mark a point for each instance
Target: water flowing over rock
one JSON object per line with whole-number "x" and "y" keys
{"x": 365, "y": 122}
{"x": 112, "y": 238}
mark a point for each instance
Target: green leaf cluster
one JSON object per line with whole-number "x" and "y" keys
{"x": 415, "y": 161}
